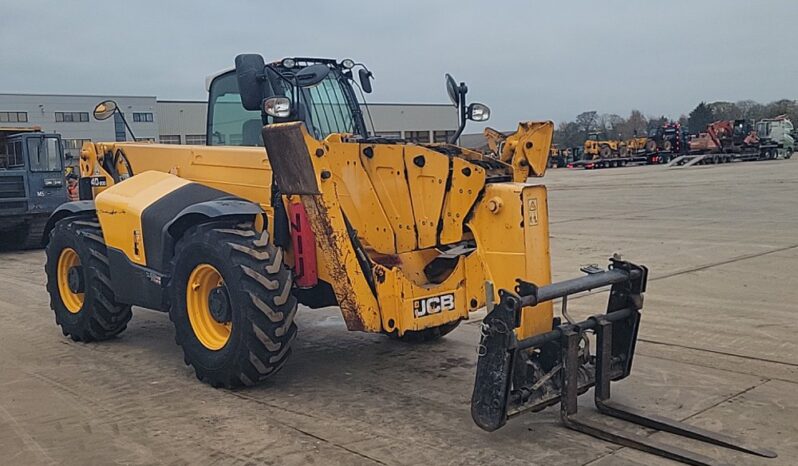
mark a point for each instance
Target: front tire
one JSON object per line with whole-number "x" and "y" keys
{"x": 231, "y": 304}
{"x": 79, "y": 282}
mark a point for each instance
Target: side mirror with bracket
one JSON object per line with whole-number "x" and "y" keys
{"x": 365, "y": 80}
{"x": 251, "y": 80}
{"x": 105, "y": 110}
{"x": 474, "y": 112}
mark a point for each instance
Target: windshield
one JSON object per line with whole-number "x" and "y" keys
{"x": 330, "y": 108}
{"x": 44, "y": 154}
{"x": 327, "y": 107}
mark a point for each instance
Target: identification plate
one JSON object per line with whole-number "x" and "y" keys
{"x": 99, "y": 181}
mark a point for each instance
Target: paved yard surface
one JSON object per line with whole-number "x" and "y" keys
{"x": 718, "y": 348}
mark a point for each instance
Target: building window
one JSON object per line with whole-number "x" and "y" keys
{"x": 417, "y": 136}
{"x": 74, "y": 145}
{"x": 145, "y": 139}
{"x": 72, "y": 117}
{"x": 442, "y": 136}
{"x": 388, "y": 134}
{"x": 195, "y": 139}
{"x": 169, "y": 138}
{"x": 119, "y": 127}
{"x": 13, "y": 117}
{"x": 142, "y": 117}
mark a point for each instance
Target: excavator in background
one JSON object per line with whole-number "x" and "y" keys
{"x": 725, "y": 136}
{"x": 725, "y": 141}
{"x": 293, "y": 201}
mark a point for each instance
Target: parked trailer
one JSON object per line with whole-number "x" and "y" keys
{"x": 654, "y": 158}
{"x": 688, "y": 160}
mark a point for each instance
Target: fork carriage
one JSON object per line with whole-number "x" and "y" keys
{"x": 529, "y": 374}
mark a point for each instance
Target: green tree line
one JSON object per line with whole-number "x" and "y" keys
{"x": 573, "y": 133}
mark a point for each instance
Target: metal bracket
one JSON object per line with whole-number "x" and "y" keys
{"x": 591, "y": 269}
{"x": 550, "y": 370}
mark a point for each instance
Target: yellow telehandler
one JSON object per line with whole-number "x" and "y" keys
{"x": 598, "y": 147}
{"x": 407, "y": 239}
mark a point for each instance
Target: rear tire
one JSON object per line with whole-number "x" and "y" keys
{"x": 250, "y": 338}
{"x": 428, "y": 334}
{"x": 93, "y": 314}
{"x": 34, "y": 237}
{"x": 28, "y": 235}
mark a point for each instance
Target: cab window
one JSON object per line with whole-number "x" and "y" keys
{"x": 229, "y": 124}
{"x": 11, "y": 155}
{"x": 44, "y": 154}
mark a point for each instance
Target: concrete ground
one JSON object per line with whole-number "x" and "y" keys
{"x": 717, "y": 348}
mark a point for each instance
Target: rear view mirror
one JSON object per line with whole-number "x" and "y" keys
{"x": 250, "y": 77}
{"x": 451, "y": 89}
{"x": 104, "y": 110}
{"x": 312, "y": 75}
{"x": 365, "y": 80}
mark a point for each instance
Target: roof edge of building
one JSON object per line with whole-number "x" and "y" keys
{"x": 99, "y": 96}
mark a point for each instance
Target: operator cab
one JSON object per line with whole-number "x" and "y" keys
{"x": 38, "y": 151}
{"x": 316, "y": 91}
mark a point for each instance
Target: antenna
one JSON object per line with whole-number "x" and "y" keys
{"x": 368, "y": 111}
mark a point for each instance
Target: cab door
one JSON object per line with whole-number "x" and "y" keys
{"x": 46, "y": 183}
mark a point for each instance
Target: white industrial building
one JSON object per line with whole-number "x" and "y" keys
{"x": 71, "y": 116}
{"x": 183, "y": 122}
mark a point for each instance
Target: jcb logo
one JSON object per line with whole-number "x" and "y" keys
{"x": 433, "y": 305}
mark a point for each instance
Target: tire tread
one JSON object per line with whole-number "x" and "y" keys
{"x": 268, "y": 315}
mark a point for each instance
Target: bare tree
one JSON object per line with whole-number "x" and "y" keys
{"x": 586, "y": 121}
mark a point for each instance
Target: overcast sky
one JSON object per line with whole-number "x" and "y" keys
{"x": 525, "y": 59}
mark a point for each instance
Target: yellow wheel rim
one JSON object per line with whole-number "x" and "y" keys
{"x": 66, "y": 260}
{"x": 201, "y": 282}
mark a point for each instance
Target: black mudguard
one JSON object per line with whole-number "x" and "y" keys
{"x": 65, "y": 210}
